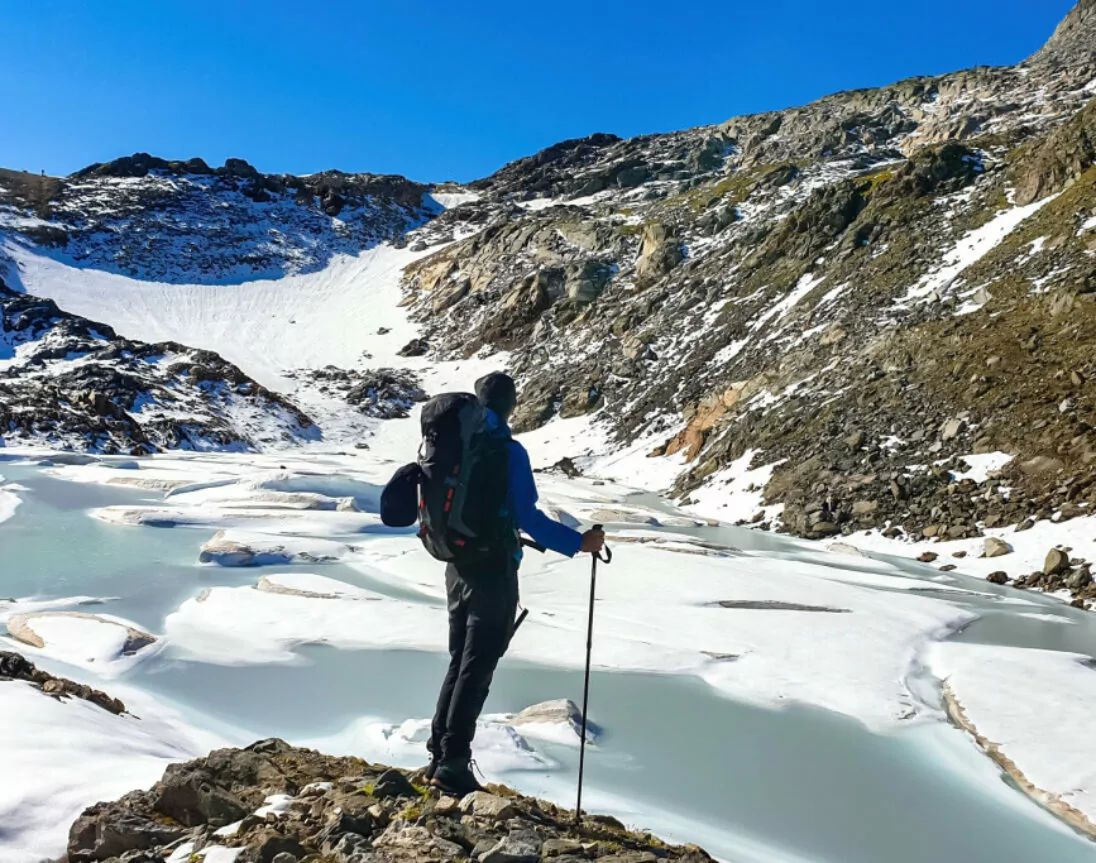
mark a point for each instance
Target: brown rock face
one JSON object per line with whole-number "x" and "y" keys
{"x": 1060, "y": 159}
{"x": 709, "y": 412}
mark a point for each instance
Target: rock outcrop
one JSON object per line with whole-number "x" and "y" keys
{"x": 273, "y": 803}
{"x": 183, "y": 221}
{"x": 378, "y": 393}
{"x": 14, "y": 666}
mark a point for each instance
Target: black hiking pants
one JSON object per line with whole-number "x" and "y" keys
{"x": 483, "y": 598}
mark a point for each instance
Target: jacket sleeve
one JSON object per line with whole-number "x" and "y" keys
{"x": 523, "y": 494}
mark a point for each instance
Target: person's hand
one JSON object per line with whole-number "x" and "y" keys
{"x": 593, "y": 540}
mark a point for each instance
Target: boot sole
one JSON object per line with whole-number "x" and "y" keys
{"x": 448, "y": 789}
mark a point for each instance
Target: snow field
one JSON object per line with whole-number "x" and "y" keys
{"x": 68, "y": 753}
{"x": 658, "y": 604}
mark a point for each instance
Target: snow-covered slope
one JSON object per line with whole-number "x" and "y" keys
{"x": 281, "y": 276}
{"x": 267, "y": 326}
{"x": 68, "y": 382}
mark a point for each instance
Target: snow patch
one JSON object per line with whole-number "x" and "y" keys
{"x": 970, "y": 249}
{"x": 9, "y": 501}
{"x": 105, "y": 645}
{"x": 735, "y": 493}
{"x": 982, "y": 465}
{"x": 449, "y": 200}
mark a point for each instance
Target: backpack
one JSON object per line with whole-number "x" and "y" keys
{"x": 461, "y": 483}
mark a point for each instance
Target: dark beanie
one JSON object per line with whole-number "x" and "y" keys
{"x": 497, "y": 392}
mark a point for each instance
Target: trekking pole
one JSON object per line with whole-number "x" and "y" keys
{"x": 586, "y": 683}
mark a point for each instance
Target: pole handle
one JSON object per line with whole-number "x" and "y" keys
{"x": 606, "y": 553}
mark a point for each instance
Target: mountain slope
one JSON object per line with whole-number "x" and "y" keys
{"x": 859, "y": 292}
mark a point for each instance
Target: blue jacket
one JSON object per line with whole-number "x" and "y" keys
{"x": 523, "y": 497}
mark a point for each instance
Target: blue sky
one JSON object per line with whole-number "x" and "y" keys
{"x": 444, "y": 90}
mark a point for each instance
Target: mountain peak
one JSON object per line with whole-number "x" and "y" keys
{"x": 1075, "y": 37}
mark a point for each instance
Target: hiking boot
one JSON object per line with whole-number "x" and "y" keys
{"x": 431, "y": 769}
{"x": 455, "y": 777}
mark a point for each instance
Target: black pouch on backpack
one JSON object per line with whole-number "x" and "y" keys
{"x": 462, "y": 513}
{"x": 400, "y": 498}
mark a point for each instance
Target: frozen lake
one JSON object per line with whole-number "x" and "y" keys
{"x": 676, "y": 755}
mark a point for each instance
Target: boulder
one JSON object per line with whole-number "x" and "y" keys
{"x": 1057, "y": 562}
{"x": 994, "y": 547}
{"x": 999, "y": 577}
{"x": 562, "y": 711}
{"x": 482, "y": 804}
{"x": 226, "y": 552}
{"x": 414, "y": 348}
{"x": 392, "y": 783}
{"x": 520, "y": 846}
{"x": 952, "y": 429}
{"x": 1080, "y": 579}
{"x": 660, "y": 251}
{"x": 98, "y": 835}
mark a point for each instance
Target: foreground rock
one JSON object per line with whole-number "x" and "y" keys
{"x": 279, "y": 804}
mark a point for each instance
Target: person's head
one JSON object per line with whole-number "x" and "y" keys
{"x": 497, "y": 392}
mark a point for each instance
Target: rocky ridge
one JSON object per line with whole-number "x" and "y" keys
{"x": 68, "y": 382}
{"x": 274, "y": 803}
{"x": 185, "y": 222}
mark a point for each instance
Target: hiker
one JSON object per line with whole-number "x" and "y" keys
{"x": 483, "y": 595}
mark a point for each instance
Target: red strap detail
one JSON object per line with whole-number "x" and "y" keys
{"x": 448, "y": 505}
{"x": 460, "y": 542}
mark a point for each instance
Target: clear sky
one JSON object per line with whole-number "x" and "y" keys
{"x": 449, "y": 90}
